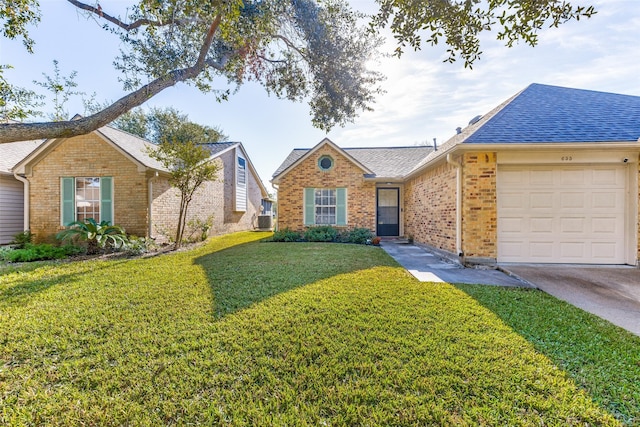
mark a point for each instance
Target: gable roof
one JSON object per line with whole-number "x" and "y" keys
{"x": 132, "y": 145}
{"x": 376, "y": 162}
{"x": 11, "y": 153}
{"x": 218, "y": 148}
{"x": 543, "y": 113}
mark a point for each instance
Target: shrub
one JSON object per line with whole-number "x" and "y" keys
{"x": 96, "y": 235}
{"x": 43, "y": 251}
{"x": 358, "y": 235}
{"x": 324, "y": 233}
{"x": 22, "y": 238}
{"x": 137, "y": 245}
{"x": 286, "y": 235}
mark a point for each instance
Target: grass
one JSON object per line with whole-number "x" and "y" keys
{"x": 240, "y": 332}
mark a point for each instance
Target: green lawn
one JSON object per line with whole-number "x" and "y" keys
{"x": 240, "y": 332}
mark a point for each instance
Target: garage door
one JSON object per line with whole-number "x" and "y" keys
{"x": 561, "y": 214}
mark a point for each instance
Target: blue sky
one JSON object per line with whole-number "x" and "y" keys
{"x": 425, "y": 98}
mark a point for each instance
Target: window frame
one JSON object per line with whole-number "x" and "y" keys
{"x": 69, "y": 210}
{"x": 309, "y": 206}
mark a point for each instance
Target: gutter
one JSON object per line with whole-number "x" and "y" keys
{"x": 458, "y": 167}
{"x": 27, "y": 209}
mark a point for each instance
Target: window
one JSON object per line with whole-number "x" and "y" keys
{"x": 86, "y": 197}
{"x": 241, "y": 184}
{"x": 325, "y": 206}
{"x": 325, "y": 163}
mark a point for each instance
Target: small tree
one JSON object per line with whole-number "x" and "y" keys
{"x": 190, "y": 166}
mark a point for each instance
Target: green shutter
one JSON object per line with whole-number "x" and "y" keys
{"x": 106, "y": 199}
{"x": 341, "y": 206}
{"x": 309, "y": 206}
{"x": 68, "y": 205}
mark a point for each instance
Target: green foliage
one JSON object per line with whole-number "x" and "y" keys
{"x": 137, "y": 245}
{"x": 323, "y": 233}
{"x": 189, "y": 165}
{"x": 317, "y": 334}
{"x": 286, "y": 235}
{"x": 61, "y": 88}
{"x": 43, "y": 251}
{"x": 360, "y": 236}
{"x": 166, "y": 124}
{"x": 22, "y": 238}
{"x": 460, "y": 24}
{"x": 200, "y": 227}
{"x": 16, "y": 17}
{"x": 96, "y": 235}
{"x": 300, "y": 50}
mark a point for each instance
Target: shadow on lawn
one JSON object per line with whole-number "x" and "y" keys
{"x": 243, "y": 275}
{"x": 18, "y": 290}
{"x": 597, "y": 355}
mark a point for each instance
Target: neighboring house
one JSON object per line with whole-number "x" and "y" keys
{"x": 109, "y": 176}
{"x": 12, "y": 189}
{"x": 549, "y": 176}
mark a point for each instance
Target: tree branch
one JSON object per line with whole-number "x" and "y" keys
{"x": 127, "y": 27}
{"x": 66, "y": 129}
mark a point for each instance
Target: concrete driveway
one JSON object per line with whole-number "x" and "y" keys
{"x": 610, "y": 292}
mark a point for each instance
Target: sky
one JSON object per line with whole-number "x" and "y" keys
{"x": 425, "y": 98}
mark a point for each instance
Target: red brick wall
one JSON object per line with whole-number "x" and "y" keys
{"x": 479, "y": 205}
{"x": 86, "y": 156}
{"x": 361, "y": 197}
{"x": 215, "y": 200}
{"x": 430, "y": 208}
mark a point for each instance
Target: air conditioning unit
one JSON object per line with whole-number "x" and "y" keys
{"x": 265, "y": 222}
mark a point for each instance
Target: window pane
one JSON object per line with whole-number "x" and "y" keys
{"x": 88, "y": 199}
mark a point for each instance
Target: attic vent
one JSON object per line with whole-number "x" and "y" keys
{"x": 475, "y": 119}
{"x": 458, "y": 130}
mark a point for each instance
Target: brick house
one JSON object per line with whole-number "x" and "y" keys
{"x": 108, "y": 175}
{"x": 548, "y": 176}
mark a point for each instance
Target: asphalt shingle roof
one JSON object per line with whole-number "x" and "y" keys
{"x": 543, "y": 113}
{"x": 385, "y": 162}
{"x": 135, "y": 146}
{"x": 13, "y": 152}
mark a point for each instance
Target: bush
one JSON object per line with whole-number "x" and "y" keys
{"x": 137, "y": 245}
{"x": 96, "y": 235}
{"x": 359, "y": 236}
{"x": 323, "y": 233}
{"x": 40, "y": 252}
{"x": 22, "y": 238}
{"x": 286, "y": 235}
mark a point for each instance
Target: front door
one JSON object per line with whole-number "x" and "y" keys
{"x": 388, "y": 211}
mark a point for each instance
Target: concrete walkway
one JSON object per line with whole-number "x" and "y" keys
{"x": 427, "y": 267}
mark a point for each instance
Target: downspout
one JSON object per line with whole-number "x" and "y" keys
{"x": 458, "y": 167}
{"x": 25, "y": 182}
{"x": 275, "y": 187}
{"x": 150, "y": 203}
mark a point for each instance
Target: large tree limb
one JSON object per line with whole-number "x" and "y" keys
{"x": 127, "y": 27}
{"x": 66, "y": 129}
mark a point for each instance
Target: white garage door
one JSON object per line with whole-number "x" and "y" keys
{"x": 561, "y": 214}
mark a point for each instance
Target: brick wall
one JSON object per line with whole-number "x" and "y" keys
{"x": 361, "y": 197}
{"x": 86, "y": 156}
{"x": 214, "y": 200}
{"x": 479, "y": 205}
{"x": 430, "y": 208}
